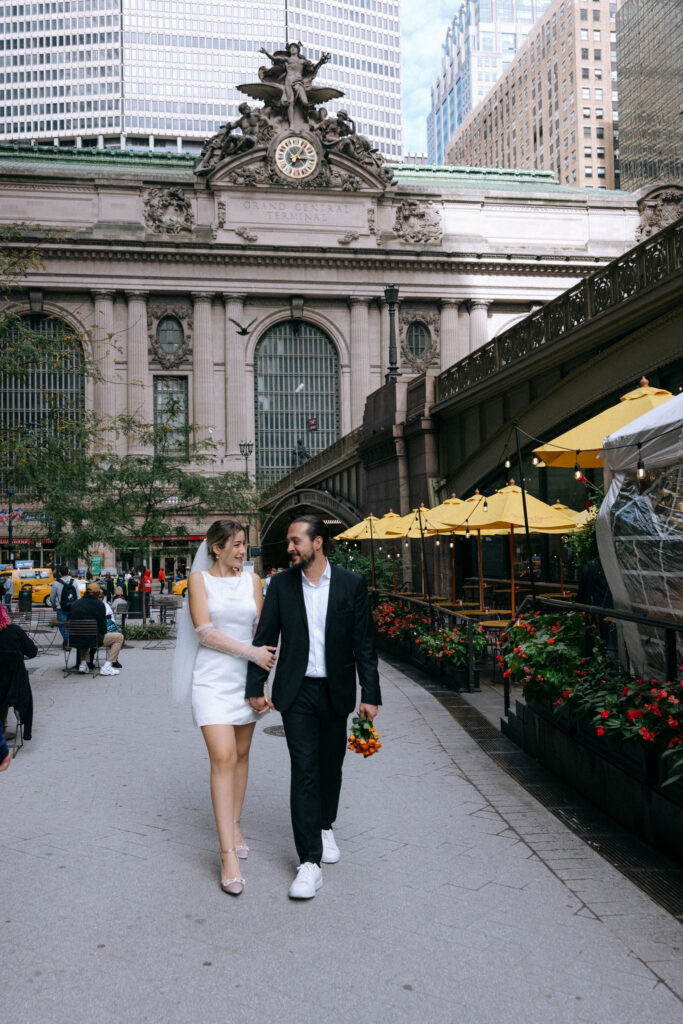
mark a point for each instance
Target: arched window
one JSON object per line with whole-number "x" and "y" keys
{"x": 417, "y": 339}
{"x": 296, "y": 376}
{"x": 35, "y": 400}
{"x": 170, "y": 335}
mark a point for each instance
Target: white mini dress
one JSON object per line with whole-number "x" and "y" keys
{"x": 219, "y": 679}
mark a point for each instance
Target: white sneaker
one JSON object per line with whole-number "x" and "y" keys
{"x": 308, "y": 880}
{"x": 108, "y": 670}
{"x": 331, "y": 852}
{"x": 83, "y": 668}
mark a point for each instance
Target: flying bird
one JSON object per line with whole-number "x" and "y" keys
{"x": 241, "y": 329}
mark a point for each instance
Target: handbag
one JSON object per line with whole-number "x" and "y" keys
{"x": 112, "y": 626}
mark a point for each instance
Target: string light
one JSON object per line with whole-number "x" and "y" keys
{"x": 507, "y": 462}
{"x": 467, "y": 533}
{"x": 438, "y": 543}
{"x": 451, "y": 544}
{"x": 486, "y": 505}
{"x": 640, "y": 466}
{"x": 535, "y": 461}
{"x": 577, "y": 468}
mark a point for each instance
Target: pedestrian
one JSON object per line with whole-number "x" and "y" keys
{"x": 15, "y": 688}
{"x": 161, "y": 576}
{"x": 63, "y": 593}
{"x": 146, "y": 583}
{"x": 7, "y": 591}
{"x": 113, "y": 640}
{"x": 213, "y": 648}
{"x": 108, "y": 586}
{"x": 315, "y": 684}
{"x": 91, "y": 606}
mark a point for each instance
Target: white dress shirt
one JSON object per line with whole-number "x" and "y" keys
{"x": 315, "y": 598}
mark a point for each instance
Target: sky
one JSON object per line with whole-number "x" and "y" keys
{"x": 423, "y": 29}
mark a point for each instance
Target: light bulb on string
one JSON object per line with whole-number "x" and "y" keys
{"x": 467, "y": 533}
{"x": 577, "y": 468}
{"x": 438, "y": 543}
{"x": 451, "y": 544}
{"x": 507, "y": 462}
{"x": 640, "y": 469}
{"x": 535, "y": 461}
{"x": 486, "y": 505}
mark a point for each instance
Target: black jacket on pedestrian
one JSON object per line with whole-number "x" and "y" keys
{"x": 349, "y": 641}
{"x": 90, "y": 608}
{"x": 15, "y": 688}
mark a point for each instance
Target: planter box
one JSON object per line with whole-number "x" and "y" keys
{"x": 623, "y": 784}
{"x": 458, "y": 679}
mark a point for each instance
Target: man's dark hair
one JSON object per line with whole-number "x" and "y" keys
{"x": 316, "y": 528}
{"x": 63, "y": 570}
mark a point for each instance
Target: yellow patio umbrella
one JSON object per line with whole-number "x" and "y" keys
{"x": 503, "y": 511}
{"x": 418, "y": 523}
{"x": 581, "y": 445}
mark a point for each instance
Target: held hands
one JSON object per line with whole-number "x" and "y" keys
{"x": 4, "y": 765}
{"x": 264, "y": 657}
{"x": 262, "y": 704}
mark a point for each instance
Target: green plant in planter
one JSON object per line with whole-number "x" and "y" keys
{"x": 540, "y": 653}
{"x": 152, "y": 631}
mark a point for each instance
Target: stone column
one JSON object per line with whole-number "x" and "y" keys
{"x": 236, "y": 405}
{"x": 464, "y": 327}
{"x": 360, "y": 358}
{"x": 203, "y": 413}
{"x": 479, "y": 328}
{"x": 139, "y": 392}
{"x": 451, "y": 350}
{"x": 103, "y": 354}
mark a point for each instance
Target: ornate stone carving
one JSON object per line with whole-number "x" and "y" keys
{"x": 659, "y": 208}
{"x": 310, "y": 142}
{"x": 167, "y": 210}
{"x": 182, "y": 311}
{"x": 432, "y": 321}
{"x": 350, "y": 236}
{"x": 372, "y": 220}
{"x": 246, "y": 234}
{"x": 417, "y": 221}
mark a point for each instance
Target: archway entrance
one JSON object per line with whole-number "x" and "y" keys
{"x": 296, "y": 375}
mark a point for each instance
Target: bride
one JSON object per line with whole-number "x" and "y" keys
{"x": 214, "y": 646}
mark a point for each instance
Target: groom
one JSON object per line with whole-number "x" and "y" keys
{"x": 321, "y": 615}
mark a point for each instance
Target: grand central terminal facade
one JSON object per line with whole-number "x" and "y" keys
{"x": 249, "y": 283}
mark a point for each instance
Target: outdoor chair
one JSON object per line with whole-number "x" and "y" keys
{"x": 43, "y": 634}
{"x": 168, "y": 605}
{"x": 82, "y": 636}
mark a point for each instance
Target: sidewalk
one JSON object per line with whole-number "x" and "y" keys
{"x": 458, "y": 900}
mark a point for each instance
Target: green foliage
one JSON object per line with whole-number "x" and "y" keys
{"x": 150, "y": 631}
{"x": 583, "y": 543}
{"x": 396, "y": 620}
{"x": 352, "y": 559}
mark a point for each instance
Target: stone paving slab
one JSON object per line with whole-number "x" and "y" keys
{"x": 458, "y": 898}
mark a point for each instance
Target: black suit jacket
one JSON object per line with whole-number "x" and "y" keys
{"x": 349, "y": 641}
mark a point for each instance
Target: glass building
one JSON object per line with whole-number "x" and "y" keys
{"x": 163, "y": 73}
{"x": 479, "y": 46}
{"x": 649, "y": 42}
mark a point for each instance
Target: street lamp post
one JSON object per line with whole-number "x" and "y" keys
{"x": 391, "y": 295}
{"x": 246, "y": 448}
{"x": 10, "y": 495}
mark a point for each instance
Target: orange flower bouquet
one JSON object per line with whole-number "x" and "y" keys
{"x": 364, "y": 738}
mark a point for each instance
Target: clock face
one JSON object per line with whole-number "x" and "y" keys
{"x": 296, "y": 157}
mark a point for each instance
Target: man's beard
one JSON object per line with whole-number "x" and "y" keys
{"x": 305, "y": 560}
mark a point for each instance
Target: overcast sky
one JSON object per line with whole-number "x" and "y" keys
{"x": 423, "y": 29}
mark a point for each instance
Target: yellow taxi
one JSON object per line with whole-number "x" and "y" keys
{"x": 39, "y": 580}
{"x": 179, "y": 587}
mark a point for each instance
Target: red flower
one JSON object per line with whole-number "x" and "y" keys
{"x": 507, "y": 673}
{"x": 551, "y": 639}
{"x": 633, "y": 714}
{"x": 566, "y": 693}
{"x": 604, "y": 714}
{"x": 673, "y": 722}
{"x": 675, "y": 741}
{"x": 646, "y": 734}
{"x": 600, "y": 731}
{"x": 624, "y": 692}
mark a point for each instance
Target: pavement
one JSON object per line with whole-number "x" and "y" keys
{"x": 458, "y": 899}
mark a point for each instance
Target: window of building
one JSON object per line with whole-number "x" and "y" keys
{"x": 596, "y": 35}
{"x": 584, "y": 33}
{"x": 587, "y": 151}
{"x": 601, "y": 172}
{"x": 598, "y": 94}
{"x": 596, "y": 15}
{"x": 586, "y": 111}
{"x": 584, "y": 53}
{"x": 583, "y": 14}
{"x": 171, "y": 415}
{"x": 287, "y": 356}
{"x": 600, "y": 133}
{"x": 597, "y": 54}
{"x": 417, "y": 339}
{"x": 170, "y": 336}
{"x": 587, "y": 132}
{"x": 588, "y": 172}
{"x": 599, "y": 113}
{"x": 586, "y": 93}
{"x": 585, "y": 72}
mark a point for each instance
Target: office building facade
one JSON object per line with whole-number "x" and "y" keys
{"x": 650, "y": 55}
{"x": 479, "y": 46}
{"x": 163, "y": 73}
{"x": 555, "y": 108}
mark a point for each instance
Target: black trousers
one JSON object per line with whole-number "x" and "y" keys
{"x": 316, "y": 738}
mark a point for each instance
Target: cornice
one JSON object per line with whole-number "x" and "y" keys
{"x": 324, "y": 258}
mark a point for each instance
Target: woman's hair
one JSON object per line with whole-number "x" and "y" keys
{"x": 220, "y": 532}
{"x": 4, "y": 617}
{"x": 93, "y": 590}
{"x": 317, "y": 528}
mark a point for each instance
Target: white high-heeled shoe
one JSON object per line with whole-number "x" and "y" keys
{"x": 233, "y": 886}
{"x": 242, "y": 849}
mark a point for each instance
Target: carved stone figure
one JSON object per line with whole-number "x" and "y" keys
{"x": 293, "y": 75}
{"x": 417, "y": 221}
{"x": 167, "y": 210}
{"x": 658, "y": 209}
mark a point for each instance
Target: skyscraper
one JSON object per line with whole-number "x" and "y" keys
{"x": 480, "y": 43}
{"x": 650, "y": 55}
{"x": 555, "y": 108}
{"x": 163, "y": 72}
